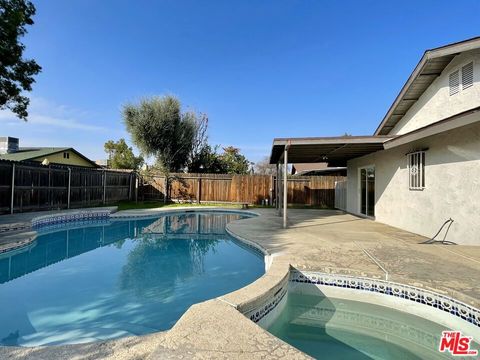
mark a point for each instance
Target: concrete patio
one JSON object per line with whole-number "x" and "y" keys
{"x": 322, "y": 240}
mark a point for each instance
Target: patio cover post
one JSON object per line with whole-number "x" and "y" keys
{"x": 277, "y": 195}
{"x": 285, "y": 197}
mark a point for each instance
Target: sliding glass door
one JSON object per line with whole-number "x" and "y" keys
{"x": 367, "y": 191}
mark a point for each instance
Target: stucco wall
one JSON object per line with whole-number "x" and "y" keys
{"x": 58, "y": 158}
{"x": 452, "y": 177}
{"x": 436, "y": 103}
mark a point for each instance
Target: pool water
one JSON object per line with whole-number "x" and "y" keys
{"x": 330, "y": 328}
{"x": 105, "y": 281}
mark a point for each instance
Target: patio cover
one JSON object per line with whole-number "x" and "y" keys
{"x": 336, "y": 151}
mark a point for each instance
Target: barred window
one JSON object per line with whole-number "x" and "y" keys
{"x": 416, "y": 170}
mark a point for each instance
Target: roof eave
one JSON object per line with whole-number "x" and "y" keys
{"x": 453, "y": 122}
{"x": 447, "y": 50}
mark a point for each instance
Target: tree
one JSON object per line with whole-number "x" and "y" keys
{"x": 200, "y": 140}
{"x": 263, "y": 167}
{"x": 120, "y": 155}
{"x": 207, "y": 160}
{"x": 16, "y": 73}
{"x": 234, "y": 162}
{"x": 159, "y": 128}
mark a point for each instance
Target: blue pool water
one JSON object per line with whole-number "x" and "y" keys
{"x": 105, "y": 281}
{"x": 330, "y": 328}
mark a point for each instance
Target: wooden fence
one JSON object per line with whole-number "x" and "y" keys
{"x": 31, "y": 186}
{"x": 254, "y": 189}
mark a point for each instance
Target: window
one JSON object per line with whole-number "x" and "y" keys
{"x": 454, "y": 82}
{"x": 66, "y": 155}
{"x": 416, "y": 170}
{"x": 467, "y": 76}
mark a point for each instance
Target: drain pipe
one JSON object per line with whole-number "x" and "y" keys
{"x": 374, "y": 259}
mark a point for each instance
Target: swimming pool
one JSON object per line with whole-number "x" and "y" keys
{"x": 332, "y": 328}
{"x": 118, "y": 278}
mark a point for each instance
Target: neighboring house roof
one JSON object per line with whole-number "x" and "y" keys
{"x": 430, "y": 66}
{"x": 25, "y": 154}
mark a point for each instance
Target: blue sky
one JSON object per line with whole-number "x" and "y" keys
{"x": 259, "y": 69}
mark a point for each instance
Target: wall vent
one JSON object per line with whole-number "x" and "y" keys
{"x": 454, "y": 82}
{"x": 467, "y": 75}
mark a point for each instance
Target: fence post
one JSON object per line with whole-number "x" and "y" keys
{"x": 165, "y": 195}
{"x": 130, "y": 187}
{"x": 49, "y": 186}
{"x": 104, "y": 186}
{"x": 69, "y": 187}
{"x": 199, "y": 189}
{"x": 136, "y": 189}
{"x": 13, "y": 189}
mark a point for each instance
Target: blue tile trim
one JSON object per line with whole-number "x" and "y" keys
{"x": 426, "y": 297}
{"x": 259, "y": 313}
{"x": 64, "y": 218}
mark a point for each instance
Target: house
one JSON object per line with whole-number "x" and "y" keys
{"x": 318, "y": 169}
{"x": 10, "y": 150}
{"x": 421, "y": 167}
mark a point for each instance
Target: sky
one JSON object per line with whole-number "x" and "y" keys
{"x": 259, "y": 69}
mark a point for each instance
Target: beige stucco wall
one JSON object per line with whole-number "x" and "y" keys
{"x": 436, "y": 103}
{"x": 58, "y": 158}
{"x": 452, "y": 177}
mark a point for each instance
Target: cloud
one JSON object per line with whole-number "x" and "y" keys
{"x": 44, "y": 113}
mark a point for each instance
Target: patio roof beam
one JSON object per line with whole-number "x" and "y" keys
{"x": 333, "y": 149}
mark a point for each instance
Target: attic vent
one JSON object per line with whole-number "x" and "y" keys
{"x": 454, "y": 82}
{"x": 467, "y": 75}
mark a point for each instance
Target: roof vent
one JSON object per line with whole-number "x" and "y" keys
{"x": 8, "y": 145}
{"x": 454, "y": 82}
{"x": 467, "y": 75}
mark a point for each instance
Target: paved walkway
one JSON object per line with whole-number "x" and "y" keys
{"x": 327, "y": 241}
{"x": 332, "y": 241}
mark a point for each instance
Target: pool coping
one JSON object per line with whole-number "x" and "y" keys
{"x": 261, "y": 295}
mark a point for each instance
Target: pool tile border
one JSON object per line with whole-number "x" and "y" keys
{"x": 64, "y": 218}
{"x": 407, "y": 292}
{"x": 268, "y": 306}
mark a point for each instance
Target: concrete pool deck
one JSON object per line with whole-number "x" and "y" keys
{"x": 317, "y": 240}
